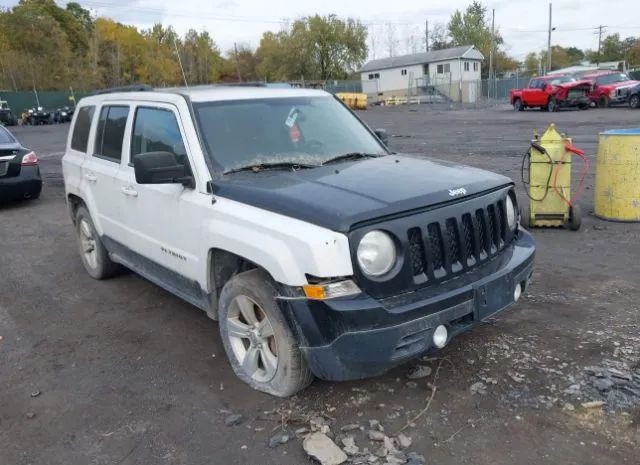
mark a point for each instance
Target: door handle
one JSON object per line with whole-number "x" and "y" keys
{"x": 90, "y": 177}
{"x": 129, "y": 191}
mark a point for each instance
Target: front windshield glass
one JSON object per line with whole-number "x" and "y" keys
{"x": 298, "y": 130}
{"x": 562, "y": 80}
{"x": 612, "y": 78}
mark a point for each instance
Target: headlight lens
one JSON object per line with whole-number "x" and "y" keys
{"x": 376, "y": 253}
{"x": 512, "y": 221}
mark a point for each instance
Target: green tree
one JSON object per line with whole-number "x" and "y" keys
{"x": 438, "y": 37}
{"x": 531, "y": 63}
{"x": 315, "y": 47}
{"x": 575, "y": 55}
{"x": 472, "y": 27}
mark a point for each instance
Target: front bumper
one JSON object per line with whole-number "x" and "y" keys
{"x": 361, "y": 337}
{"x": 576, "y": 102}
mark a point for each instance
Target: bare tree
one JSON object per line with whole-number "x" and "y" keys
{"x": 391, "y": 40}
{"x": 374, "y": 40}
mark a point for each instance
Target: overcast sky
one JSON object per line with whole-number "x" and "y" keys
{"x": 522, "y": 23}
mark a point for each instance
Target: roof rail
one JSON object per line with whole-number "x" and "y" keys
{"x": 241, "y": 84}
{"x": 131, "y": 88}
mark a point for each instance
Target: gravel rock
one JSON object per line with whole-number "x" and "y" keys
{"x": 415, "y": 459}
{"x": 376, "y": 435}
{"x": 603, "y": 384}
{"x": 375, "y": 425}
{"x": 404, "y": 441}
{"x": 396, "y": 458}
{"x": 349, "y": 446}
{"x": 411, "y": 384}
{"x": 30, "y": 415}
{"x": 35, "y": 394}
{"x": 280, "y": 438}
{"x": 233, "y": 419}
{"x": 381, "y": 452}
{"x": 351, "y": 427}
{"x": 593, "y": 404}
{"x": 323, "y": 449}
{"x": 388, "y": 443}
{"x": 419, "y": 372}
{"x": 478, "y": 388}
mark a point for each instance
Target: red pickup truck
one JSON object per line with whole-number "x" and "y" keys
{"x": 550, "y": 93}
{"x": 609, "y": 87}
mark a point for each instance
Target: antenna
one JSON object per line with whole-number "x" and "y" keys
{"x": 184, "y": 76}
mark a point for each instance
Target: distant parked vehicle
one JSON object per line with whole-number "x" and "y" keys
{"x": 19, "y": 171}
{"x": 39, "y": 115}
{"x": 62, "y": 115}
{"x": 550, "y": 93}
{"x": 6, "y": 115}
{"x": 609, "y": 87}
{"x": 633, "y": 96}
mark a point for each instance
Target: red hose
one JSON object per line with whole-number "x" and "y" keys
{"x": 583, "y": 173}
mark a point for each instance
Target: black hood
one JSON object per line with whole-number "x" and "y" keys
{"x": 340, "y": 195}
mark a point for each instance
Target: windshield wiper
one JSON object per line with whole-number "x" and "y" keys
{"x": 272, "y": 166}
{"x": 351, "y": 156}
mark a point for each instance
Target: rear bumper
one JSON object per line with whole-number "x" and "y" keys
{"x": 27, "y": 184}
{"x": 361, "y": 337}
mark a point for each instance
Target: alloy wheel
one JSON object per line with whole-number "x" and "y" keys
{"x": 88, "y": 243}
{"x": 252, "y": 339}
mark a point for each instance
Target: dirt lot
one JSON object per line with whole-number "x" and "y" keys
{"x": 121, "y": 372}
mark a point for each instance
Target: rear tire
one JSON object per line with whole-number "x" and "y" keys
{"x": 261, "y": 347}
{"x": 575, "y": 217}
{"x": 94, "y": 256}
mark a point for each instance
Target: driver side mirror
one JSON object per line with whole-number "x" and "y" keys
{"x": 161, "y": 168}
{"x": 382, "y": 135}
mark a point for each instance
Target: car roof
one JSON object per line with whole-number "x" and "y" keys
{"x": 203, "y": 93}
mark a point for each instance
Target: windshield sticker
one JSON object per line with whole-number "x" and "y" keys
{"x": 294, "y": 134}
{"x": 291, "y": 119}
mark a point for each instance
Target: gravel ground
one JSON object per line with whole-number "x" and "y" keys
{"x": 121, "y": 372}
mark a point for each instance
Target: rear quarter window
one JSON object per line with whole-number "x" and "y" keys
{"x": 80, "y": 137}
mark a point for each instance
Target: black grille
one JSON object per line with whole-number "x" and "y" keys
{"x": 416, "y": 246}
{"x": 457, "y": 243}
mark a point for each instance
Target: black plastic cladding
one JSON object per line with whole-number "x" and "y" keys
{"x": 437, "y": 245}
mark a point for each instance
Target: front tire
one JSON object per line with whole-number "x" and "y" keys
{"x": 603, "y": 102}
{"x": 634, "y": 101}
{"x": 94, "y": 256}
{"x": 260, "y": 345}
{"x": 552, "y": 106}
{"x": 517, "y": 105}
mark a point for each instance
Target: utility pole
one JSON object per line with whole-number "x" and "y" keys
{"x": 549, "y": 43}
{"x": 600, "y": 31}
{"x": 235, "y": 48}
{"x": 493, "y": 20}
{"x": 426, "y": 34}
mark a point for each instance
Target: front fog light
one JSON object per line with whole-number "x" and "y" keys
{"x": 440, "y": 336}
{"x": 517, "y": 292}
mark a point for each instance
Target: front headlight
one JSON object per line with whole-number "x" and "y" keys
{"x": 512, "y": 221}
{"x": 612, "y": 94}
{"x": 376, "y": 253}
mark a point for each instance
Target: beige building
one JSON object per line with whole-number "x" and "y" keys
{"x": 452, "y": 72}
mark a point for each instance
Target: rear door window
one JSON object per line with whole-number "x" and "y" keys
{"x": 110, "y": 133}
{"x": 80, "y": 137}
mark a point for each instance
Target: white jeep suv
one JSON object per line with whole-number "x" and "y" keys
{"x": 285, "y": 218}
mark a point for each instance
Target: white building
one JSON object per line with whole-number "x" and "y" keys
{"x": 454, "y": 72}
